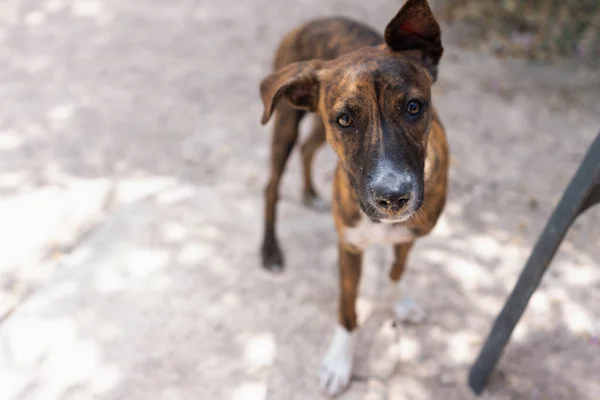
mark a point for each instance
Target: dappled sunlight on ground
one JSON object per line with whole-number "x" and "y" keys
{"x": 131, "y": 171}
{"x": 127, "y": 285}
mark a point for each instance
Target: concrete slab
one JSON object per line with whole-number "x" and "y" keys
{"x": 154, "y": 106}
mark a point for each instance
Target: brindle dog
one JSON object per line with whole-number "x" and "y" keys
{"x": 372, "y": 97}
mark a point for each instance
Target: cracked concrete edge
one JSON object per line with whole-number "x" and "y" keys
{"x": 20, "y": 283}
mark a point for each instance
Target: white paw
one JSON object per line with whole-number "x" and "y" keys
{"x": 407, "y": 310}
{"x": 336, "y": 367}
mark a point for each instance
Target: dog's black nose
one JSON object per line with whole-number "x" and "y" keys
{"x": 391, "y": 192}
{"x": 393, "y": 202}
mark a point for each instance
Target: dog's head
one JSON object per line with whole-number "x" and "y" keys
{"x": 376, "y": 106}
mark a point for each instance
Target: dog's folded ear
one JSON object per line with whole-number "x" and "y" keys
{"x": 414, "y": 28}
{"x": 298, "y": 82}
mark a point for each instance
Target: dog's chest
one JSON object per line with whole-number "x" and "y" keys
{"x": 367, "y": 232}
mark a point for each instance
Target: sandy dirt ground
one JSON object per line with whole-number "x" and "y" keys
{"x": 131, "y": 171}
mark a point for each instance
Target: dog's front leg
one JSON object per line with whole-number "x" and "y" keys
{"x": 336, "y": 367}
{"x": 405, "y": 307}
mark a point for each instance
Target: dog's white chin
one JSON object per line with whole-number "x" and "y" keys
{"x": 392, "y": 221}
{"x": 396, "y": 220}
{"x": 410, "y": 212}
{"x": 400, "y": 219}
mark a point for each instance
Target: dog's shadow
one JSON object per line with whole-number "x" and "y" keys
{"x": 377, "y": 352}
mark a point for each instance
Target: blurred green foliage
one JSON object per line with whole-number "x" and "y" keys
{"x": 539, "y": 29}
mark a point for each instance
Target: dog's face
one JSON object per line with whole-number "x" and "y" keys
{"x": 376, "y": 106}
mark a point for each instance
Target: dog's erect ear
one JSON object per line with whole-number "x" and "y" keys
{"x": 298, "y": 82}
{"x": 415, "y": 28}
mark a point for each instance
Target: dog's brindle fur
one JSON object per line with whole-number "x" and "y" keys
{"x": 334, "y": 66}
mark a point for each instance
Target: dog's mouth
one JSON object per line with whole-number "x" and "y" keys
{"x": 404, "y": 215}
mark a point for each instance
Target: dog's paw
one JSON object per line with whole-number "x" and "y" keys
{"x": 272, "y": 259}
{"x": 336, "y": 367}
{"x": 407, "y": 310}
{"x": 335, "y": 374}
{"x": 316, "y": 203}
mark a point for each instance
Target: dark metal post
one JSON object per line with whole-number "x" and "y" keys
{"x": 582, "y": 192}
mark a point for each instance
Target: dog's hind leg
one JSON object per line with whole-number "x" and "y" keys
{"x": 309, "y": 148}
{"x": 285, "y": 134}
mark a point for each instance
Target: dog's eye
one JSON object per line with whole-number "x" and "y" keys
{"x": 413, "y": 108}
{"x": 345, "y": 120}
